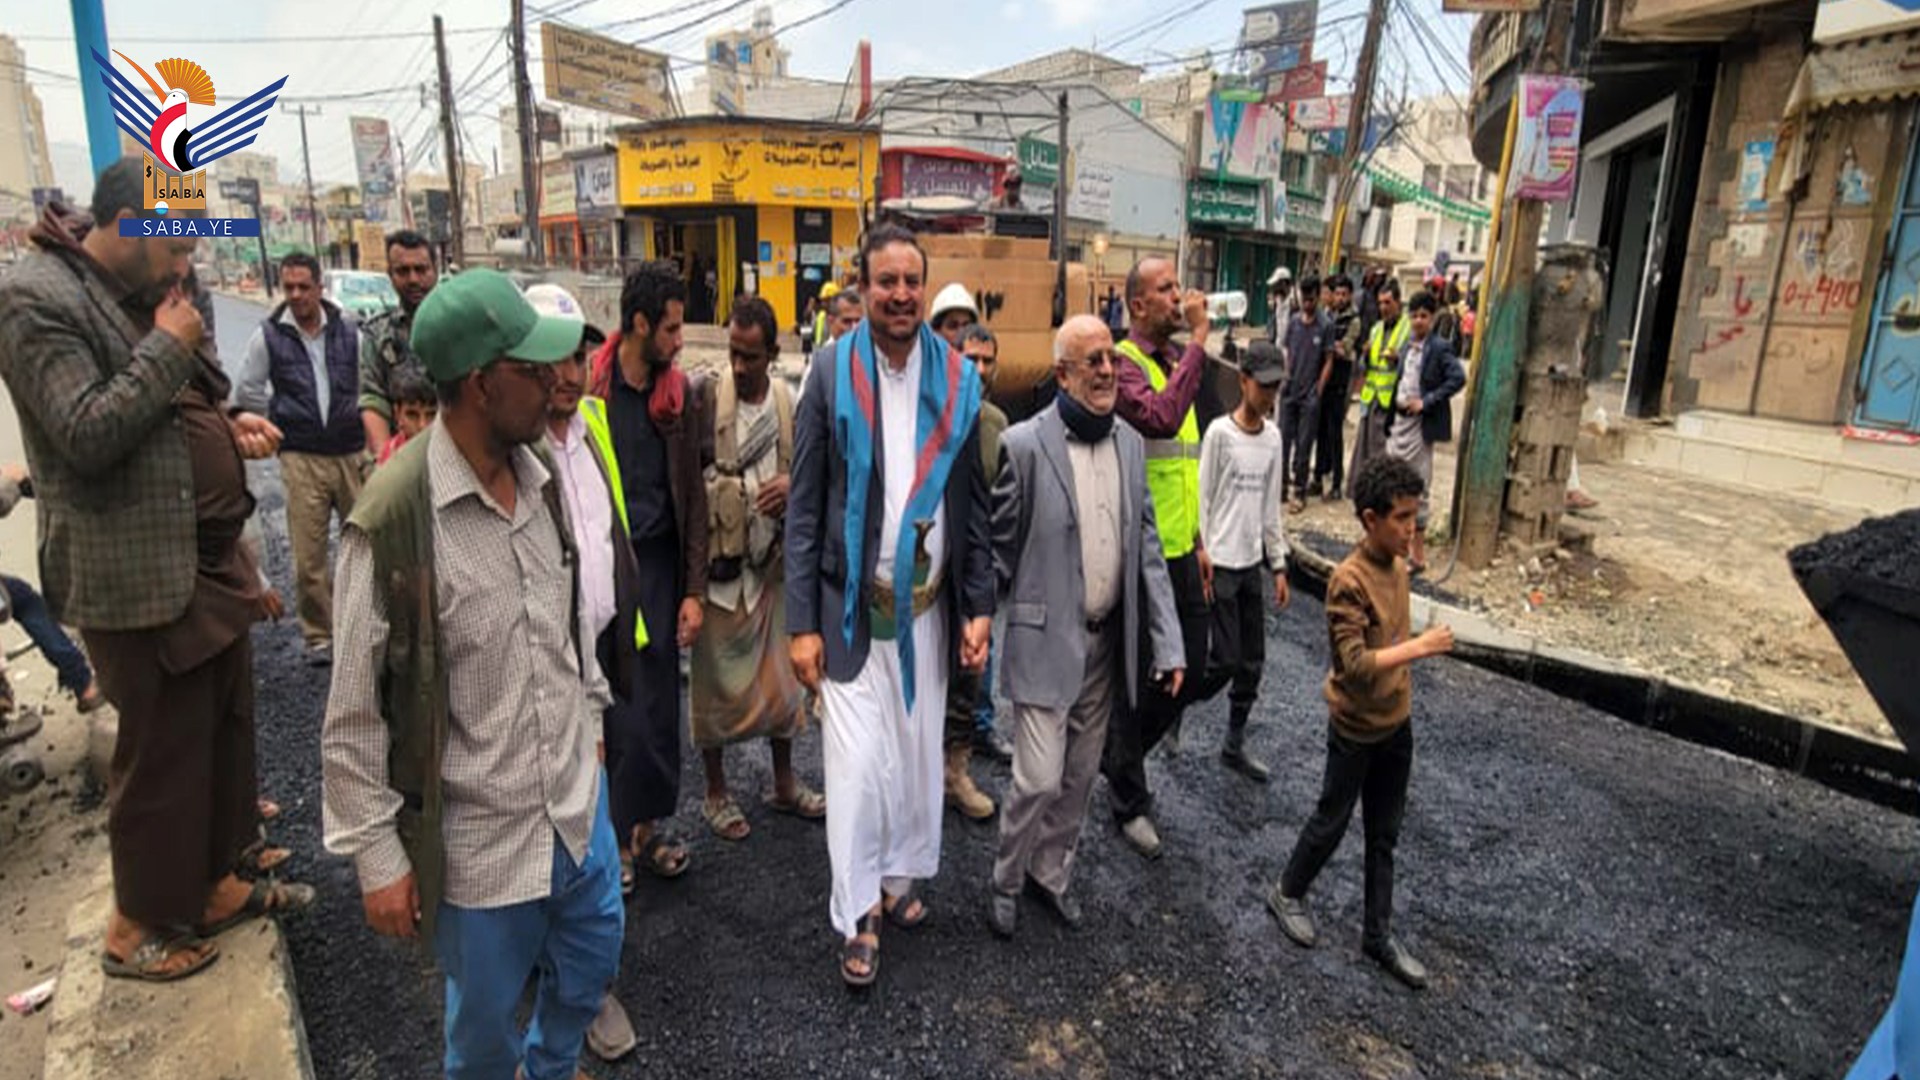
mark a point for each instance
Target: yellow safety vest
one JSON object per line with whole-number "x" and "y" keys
{"x": 1173, "y": 469}
{"x": 1383, "y": 371}
{"x": 819, "y": 328}
{"x": 594, "y": 411}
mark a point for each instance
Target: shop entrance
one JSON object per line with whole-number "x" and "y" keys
{"x": 813, "y": 236}
{"x": 694, "y": 247}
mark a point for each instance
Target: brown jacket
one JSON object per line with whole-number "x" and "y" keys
{"x": 94, "y": 385}
{"x": 1367, "y": 611}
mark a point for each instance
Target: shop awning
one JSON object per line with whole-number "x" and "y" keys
{"x": 1853, "y": 72}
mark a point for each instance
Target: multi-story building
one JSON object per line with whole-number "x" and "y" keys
{"x": 741, "y": 61}
{"x": 24, "y": 161}
{"x": 1435, "y": 196}
{"x": 1750, "y": 175}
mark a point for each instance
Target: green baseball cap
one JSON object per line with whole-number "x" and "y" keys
{"x": 478, "y": 317}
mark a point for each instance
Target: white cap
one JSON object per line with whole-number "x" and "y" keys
{"x": 555, "y": 302}
{"x": 954, "y": 297}
{"x": 1279, "y": 275}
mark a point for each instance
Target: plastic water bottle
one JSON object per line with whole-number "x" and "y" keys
{"x": 1223, "y": 306}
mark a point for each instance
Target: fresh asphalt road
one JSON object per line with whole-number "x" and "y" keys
{"x": 1594, "y": 900}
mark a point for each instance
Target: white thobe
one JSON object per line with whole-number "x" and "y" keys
{"x": 883, "y": 763}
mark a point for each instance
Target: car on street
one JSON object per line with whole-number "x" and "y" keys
{"x": 360, "y": 293}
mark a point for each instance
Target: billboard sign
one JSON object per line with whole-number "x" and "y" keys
{"x": 601, "y": 73}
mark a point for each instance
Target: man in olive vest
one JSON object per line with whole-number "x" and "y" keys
{"x": 1158, "y": 384}
{"x": 1385, "y": 342}
{"x": 460, "y": 749}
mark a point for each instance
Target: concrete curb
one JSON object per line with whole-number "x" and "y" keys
{"x": 1878, "y": 771}
{"x": 238, "y": 1018}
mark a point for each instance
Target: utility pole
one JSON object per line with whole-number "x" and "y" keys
{"x": 1060, "y": 223}
{"x": 1347, "y": 178}
{"x": 406, "y": 204}
{"x": 456, "y": 226}
{"x": 1504, "y": 324}
{"x": 306, "y": 159}
{"x": 529, "y": 138}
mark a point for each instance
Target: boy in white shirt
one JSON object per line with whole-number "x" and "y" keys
{"x": 1242, "y": 490}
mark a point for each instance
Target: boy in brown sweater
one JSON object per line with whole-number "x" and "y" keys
{"x": 1370, "y": 705}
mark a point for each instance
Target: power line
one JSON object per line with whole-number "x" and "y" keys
{"x": 291, "y": 39}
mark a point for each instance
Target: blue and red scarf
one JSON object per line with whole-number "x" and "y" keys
{"x": 949, "y": 405}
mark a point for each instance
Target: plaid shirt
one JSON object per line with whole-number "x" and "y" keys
{"x": 521, "y": 761}
{"x": 94, "y": 384}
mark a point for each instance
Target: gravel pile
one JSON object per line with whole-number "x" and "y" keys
{"x": 1884, "y": 548}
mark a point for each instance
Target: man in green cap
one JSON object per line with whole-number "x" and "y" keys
{"x": 461, "y": 747}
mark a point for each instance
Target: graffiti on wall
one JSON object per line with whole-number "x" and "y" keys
{"x": 1821, "y": 279}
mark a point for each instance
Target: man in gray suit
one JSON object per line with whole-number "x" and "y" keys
{"x": 1079, "y": 566}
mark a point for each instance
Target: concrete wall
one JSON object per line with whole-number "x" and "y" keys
{"x": 1769, "y": 295}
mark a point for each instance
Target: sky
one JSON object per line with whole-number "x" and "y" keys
{"x": 383, "y": 50}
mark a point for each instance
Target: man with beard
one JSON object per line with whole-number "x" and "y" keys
{"x": 142, "y": 497}
{"x": 743, "y": 688}
{"x": 1157, "y": 387}
{"x": 1076, "y": 553}
{"x": 461, "y": 737}
{"x": 889, "y": 586}
{"x": 653, "y": 416}
{"x": 384, "y": 339}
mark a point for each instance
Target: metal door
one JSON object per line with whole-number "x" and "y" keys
{"x": 1889, "y": 389}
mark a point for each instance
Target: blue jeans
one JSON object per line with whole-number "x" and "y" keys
{"x": 571, "y": 939}
{"x": 30, "y": 611}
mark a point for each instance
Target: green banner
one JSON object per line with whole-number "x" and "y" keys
{"x": 1039, "y": 161}
{"x": 1223, "y": 202}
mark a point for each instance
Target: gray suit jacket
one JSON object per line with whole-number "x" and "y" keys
{"x": 1036, "y": 555}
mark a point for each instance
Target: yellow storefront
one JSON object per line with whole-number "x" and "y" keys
{"x": 747, "y": 206}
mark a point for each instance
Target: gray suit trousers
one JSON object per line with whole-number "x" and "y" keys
{"x": 1056, "y": 755}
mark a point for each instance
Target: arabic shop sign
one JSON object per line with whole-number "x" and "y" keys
{"x": 1039, "y": 161}
{"x": 737, "y": 164}
{"x": 1223, "y": 202}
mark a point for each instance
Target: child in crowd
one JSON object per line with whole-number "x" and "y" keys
{"x": 1430, "y": 374}
{"x": 1370, "y": 704}
{"x": 414, "y": 409}
{"x": 1241, "y": 492}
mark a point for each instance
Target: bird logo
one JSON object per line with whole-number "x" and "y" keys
{"x": 186, "y": 82}
{"x": 180, "y": 137}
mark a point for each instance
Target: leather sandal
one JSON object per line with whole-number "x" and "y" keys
{"x": 857, "y": 951}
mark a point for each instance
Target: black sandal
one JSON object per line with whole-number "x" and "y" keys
{"x": 861, "y": 952}
{"x": 899, "y": 905}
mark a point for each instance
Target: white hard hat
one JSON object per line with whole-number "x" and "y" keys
{"x": 954, "y": 297}
{"x": 1279, "y": 275}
